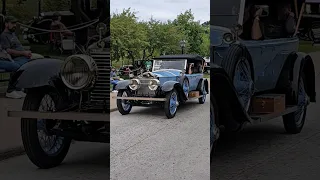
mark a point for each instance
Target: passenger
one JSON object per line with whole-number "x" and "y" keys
{"x": 252, "y": 27}
{"x": 7, "y": 64}
{"x": 190, "y": 69}
{"x": 287, "y": 20}
{"x": 58, "y": 25}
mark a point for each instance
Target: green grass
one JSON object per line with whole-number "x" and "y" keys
{"x": 306, "y": 46}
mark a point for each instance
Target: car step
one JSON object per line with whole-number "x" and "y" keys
{"x": 265, "y": 117}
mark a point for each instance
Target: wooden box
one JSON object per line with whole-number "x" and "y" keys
{"x": 268, "y": 103}
{"x": 194, "y": 94}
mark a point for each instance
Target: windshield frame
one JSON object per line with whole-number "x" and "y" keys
{"x": 172, "y": 60}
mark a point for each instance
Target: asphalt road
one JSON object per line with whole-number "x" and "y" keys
{"x": 146, "y": 145}
{"x": 265, "y": 151}
{"x": 85, "y": 161}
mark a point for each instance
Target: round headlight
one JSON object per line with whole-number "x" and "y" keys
{"x": 78, "y": 72}
{"x": 154, "y": 84}
{"x": 228, "y": 37}
{"x": 134, "y": 84}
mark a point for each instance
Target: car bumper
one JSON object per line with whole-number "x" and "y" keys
{"x": 141, "y": 98}
{"x": 73, "y": 116}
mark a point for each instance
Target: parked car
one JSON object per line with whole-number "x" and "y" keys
{"x": 255, "y": 80}
{"x": 168, "y": 85}
{"x": 66, "y": 100}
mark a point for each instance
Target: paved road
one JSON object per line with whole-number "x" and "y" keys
{"x": 265, "y": 151}
{"x": 147, "y": 145}
{"x": 86, "y": 161}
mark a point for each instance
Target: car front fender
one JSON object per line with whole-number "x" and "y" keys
{"x": 121, "y": 85}
{"x": 170, "y": 85}
{"x": 37, "y": 73}
{"x": 225, "y": 94}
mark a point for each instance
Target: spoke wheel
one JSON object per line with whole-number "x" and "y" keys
{"x": 124, "y": 106}
{"x": 214, "y": 124}
{"x": 243, "y": 82}
{"x": 294, "y": 122}
{"x": 44, "y": 149}
{"x": 171, "y": 104}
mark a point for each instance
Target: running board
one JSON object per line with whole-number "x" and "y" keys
{"x": 256, "y": 118}
{"x": 75, "y": 116}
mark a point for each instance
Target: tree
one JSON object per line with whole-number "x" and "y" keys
{"x": 128, "y": 37}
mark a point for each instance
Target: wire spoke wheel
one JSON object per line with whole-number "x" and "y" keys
{"x": 243, "y": 82}
{"x": 50, "y": 144}
{"x": 173, "y": 102}
{"x": 302, "y": 102}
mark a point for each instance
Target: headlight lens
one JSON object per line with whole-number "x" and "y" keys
{"x": 154, "y": 84}
{"x": 228, "y": 37}
{"x": 134, "y": 84}
{"x": 78, "y": 72}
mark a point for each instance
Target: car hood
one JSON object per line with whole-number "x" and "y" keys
{"x": 167, "y": 73}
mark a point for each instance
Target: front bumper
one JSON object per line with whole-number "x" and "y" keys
{"x": 141, "y": 98}
{"x": 73, "y": 116}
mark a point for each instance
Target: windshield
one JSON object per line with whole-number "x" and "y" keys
{"x": 169, "y": 64}
{"x": 225, "y": 13}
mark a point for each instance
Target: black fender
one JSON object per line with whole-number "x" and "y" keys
{"x": 295, "y": 64}
{"x": 122, "y": 85}
{"x": 304, "y": 64}
{"x": 37, "y": 73}
{"x": 206, "y": 84}
{"x": 231, "y": 113}
{"x": 170, "y": 85}
{"x": 41, "y": 73}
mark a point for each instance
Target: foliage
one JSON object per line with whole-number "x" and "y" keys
{"x": 134, "y": 39}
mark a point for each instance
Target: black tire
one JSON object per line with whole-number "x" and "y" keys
{"x": 214, "y": 111}
{"x": 291, "y": 125}
{"x": 30, "y": 137}
{"x": 122, "y": 110}
{"x": 235, "y": 55}
{"x": 202, "y": 100}
{"x": 167, "y": 111}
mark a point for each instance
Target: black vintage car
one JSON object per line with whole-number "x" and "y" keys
{"x": 66, "y": 100}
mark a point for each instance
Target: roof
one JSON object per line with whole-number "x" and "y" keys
{"x": 195, "y": 57}
{"x": 312, "y": 1}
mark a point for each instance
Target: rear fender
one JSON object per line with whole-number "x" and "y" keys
{"x": 231, "y": 112}
{"x": 206, "y": 85}
{"x": 304, "y": 64}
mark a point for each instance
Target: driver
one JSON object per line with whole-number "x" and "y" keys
{"x": 252, "y": 27}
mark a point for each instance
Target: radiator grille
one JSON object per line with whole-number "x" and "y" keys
{"x": 101, "y": 90}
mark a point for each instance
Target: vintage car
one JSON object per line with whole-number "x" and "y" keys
{"x": 174, "y": 80}
{"x": 255, "y": 80}
{"x": 66, "y": 100}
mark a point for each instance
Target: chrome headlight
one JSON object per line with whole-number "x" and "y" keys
{"x": 78, "y": 72}
{"x": 134, "y": 84}
{"x": 154, "y": 84}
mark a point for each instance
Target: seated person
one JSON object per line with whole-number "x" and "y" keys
{"x": 287, "y": 20}
{"x": 252, "y": 27}
{"x": 58, "y": 25}
{"x": 11, "y": 44}
{"x": 114, "y": 79}
{"x": 7, "y": 64}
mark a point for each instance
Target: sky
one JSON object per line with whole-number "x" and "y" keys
{"x": 164, "y": 10}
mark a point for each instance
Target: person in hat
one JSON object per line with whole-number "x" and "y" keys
{"x": 11, "y": 43}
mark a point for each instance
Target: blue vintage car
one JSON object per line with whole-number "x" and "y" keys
{"x": 251, "y": 76}
{"x": 174, "y": 80}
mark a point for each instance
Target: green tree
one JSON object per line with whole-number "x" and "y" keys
{"x": 128, "y": 36}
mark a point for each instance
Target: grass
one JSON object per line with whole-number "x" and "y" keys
{"x": 306, "y": 46}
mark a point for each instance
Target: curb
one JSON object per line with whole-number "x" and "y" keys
{"x": 18, "y": 151}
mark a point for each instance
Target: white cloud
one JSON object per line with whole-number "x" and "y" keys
{"x": 164, "y": 9}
